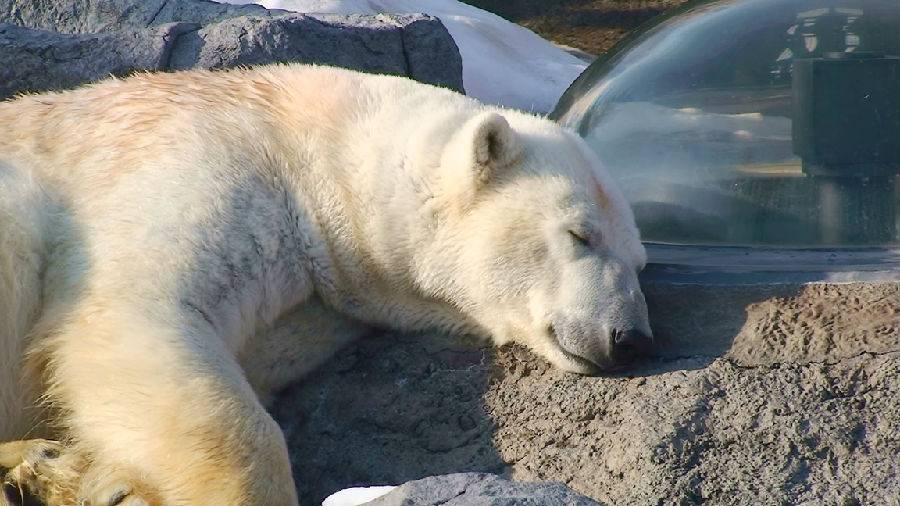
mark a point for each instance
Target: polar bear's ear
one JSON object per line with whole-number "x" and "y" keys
{"x": 494, "y": 144}
{"x": 484, "y": 145}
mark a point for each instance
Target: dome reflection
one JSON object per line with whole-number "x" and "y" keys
{"x": 753, "y": 122}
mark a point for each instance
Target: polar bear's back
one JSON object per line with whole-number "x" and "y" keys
{"x": 89, "y": 134}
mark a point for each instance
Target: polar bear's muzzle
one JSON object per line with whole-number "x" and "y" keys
{"x": 597, "y": 346}
{"x": 626, "y": 344}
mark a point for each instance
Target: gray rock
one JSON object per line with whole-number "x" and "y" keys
{"x": 360, "y": 42}
{"x": 37, "y": 60}
{"x": 58, "y": 44}
{"x": 91, "y": 16}
{"x": 479, "y": 489}
{"x": 428, "y": 55}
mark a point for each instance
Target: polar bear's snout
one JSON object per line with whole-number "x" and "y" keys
{"x": 628, "y": 335}
{"x": 627, "y": 344}
{"x": 604, "y": 347}
{"x": 599, "y": 318}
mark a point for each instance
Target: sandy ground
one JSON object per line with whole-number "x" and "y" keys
{"x": 788, "y": 395}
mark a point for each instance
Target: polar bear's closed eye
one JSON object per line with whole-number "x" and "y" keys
{"x": 581, "y": 237}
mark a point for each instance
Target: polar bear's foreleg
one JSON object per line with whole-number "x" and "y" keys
{"x": 162, "y": 413}
{"x": 54, "y": 475}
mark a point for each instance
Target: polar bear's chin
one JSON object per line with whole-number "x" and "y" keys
{"x": 566, "y": 361}
{"x": 580, "y": 365}
{"x": 577, "y": 365}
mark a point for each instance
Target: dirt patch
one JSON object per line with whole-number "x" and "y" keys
{"x": 590, "y": 25}
{"x": 784, "y": 396}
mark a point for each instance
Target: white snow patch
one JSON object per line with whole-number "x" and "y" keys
{"x": 356, "y": 496}
{"x": 503, "y": 63}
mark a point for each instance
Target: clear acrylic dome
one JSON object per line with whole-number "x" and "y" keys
{"x": 753, "y": 122}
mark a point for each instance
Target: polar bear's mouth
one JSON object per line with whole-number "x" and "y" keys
{"x": 583, "y": 362}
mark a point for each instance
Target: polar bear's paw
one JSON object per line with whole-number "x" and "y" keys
{"x": 39, "y": 472}
{"x": 46, "y": 473}
{"x": 113, "y": 488}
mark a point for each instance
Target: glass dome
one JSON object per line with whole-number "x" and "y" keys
{"x": 753, "y": 123}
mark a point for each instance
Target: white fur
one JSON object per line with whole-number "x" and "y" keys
{"x": 173, "y": 247}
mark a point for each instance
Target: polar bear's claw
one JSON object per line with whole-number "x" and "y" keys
{"x": 111, "y": 489}
{"x": 39, "y": 472}
{"x": 46, "y": 473}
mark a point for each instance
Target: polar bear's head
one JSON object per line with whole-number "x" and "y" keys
{"x": 538, "y": 242}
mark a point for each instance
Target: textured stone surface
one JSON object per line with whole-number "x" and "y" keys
{"x": 366, "y": 43}
{"x": 37, "y": 60}
{"x": 429, "y": 56}
{"x": 787, "y": 394}
{"x": 58, "y": 44}
{"x": 91, "y": 16}
{"x": 478, "y": 489}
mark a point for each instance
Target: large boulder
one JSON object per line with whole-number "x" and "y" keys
{"x": 58, "y": 44}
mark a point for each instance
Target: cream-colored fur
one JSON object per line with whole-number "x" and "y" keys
{"x": 174, "y": 247}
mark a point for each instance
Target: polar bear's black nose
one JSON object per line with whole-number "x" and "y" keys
{"x": 629, "y": 343}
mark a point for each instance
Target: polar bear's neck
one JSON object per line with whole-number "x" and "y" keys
{"x": 364, "y": 175}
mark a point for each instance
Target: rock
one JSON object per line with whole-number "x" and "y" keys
{"x": 788, "y": 395}
{"x": 367, "y": 43}
{"x": 428, "y": 55}
{"x": 58, "y": 44}
{"x": 91, "y": 16}
{"x": 37, "y": 60}
{"x": 478, "y": 489}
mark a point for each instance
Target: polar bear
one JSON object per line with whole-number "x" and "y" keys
{"x": 175, "y": 247}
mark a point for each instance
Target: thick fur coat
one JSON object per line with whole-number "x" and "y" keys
{"x": 176, "y": 247}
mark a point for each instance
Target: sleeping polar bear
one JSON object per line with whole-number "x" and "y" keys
{"x": 158, "y": 234}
